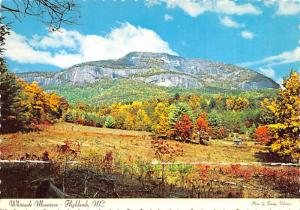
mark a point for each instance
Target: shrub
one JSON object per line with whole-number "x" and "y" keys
{"x": 262, "y": 134}
{"x": 109, "y": 122}
{"x": 69, "y": 117}
{"x": 214, "y": 119}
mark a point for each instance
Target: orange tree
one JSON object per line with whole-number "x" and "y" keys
{"x": 262, "y": 134}
{"x": 202, "y": 127}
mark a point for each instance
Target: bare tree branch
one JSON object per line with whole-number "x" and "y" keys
{"x": 54, "y": 13}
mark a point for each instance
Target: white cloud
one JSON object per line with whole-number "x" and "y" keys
{"x": 168, "y": 17}
{"x": 284, "y": 7}
{"x": 288, "y": 7}
{"x": 19, "y": 50}
{"x": 117, "y": 43}
{"x": 195, "y": 8}
{"x": 247, "y": 34}
{"x": 150, "y": 3}
{"x": 191, "y": 7}
{"x": 269, "y": 72}
{"x": 229, "y": 22}
{"x": 231, "y": 8}
{"x": 282, "y": 58}
{"x": 56, "y": 39}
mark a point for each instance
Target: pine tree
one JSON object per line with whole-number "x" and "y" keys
{"x": 10, "y": 90}
{"x": 177, "y": 113}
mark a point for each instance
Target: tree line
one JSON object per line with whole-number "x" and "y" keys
{"x": 23, "y": 105}
{"x": 166, "y": 117}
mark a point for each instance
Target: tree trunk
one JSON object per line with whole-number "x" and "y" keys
{"x": 48, "y": 190}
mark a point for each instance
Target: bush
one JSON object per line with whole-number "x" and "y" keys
{"x": 69, "y": 117}
{"x": 215, "y": 119}
{"x": 100, "y": 121}
{"x": 109, "y": 122}
{"x": 262, "y": 134}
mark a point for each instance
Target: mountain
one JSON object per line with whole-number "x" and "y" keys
{"x": 159, "y": 69}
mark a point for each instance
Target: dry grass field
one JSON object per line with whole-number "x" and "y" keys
{"x": 117, "y": 163}
{"x": 125, "y": 145}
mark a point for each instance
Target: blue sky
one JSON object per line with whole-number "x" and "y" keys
{"x": 260, "y": 35}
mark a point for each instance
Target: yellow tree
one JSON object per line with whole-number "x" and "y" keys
{"x": 135, "y": 107}
{"x": 54, "y": 102}
{"x": 36, "y": 101}
{"x": 161, "y": 124}
{"x": 194, "y": 102}
{"x": 230, "y": 103}
{"x": 241, "y": 103}
{"x": 161, "y": 109}
{"x": 219, "y": 102}
{"x": 286, "y": 108}
{"x": 119, "y": 112}
{"x": 162, "y": 128}
{"x": 129, "y": 121}
{"x": 142, "y": 120}
{"x": 57, "y": 105}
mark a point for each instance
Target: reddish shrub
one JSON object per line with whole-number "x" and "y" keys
{"x": 68, "y": 148}
{"x": 262, "y": 134}
{"x": 107, "y": 161}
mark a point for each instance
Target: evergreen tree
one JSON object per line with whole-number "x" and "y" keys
{"x": 215, "y": 119}
{"x": 10, "y": 92}
{"x": 177, "y": 113}
{"x": 180, "y": 110}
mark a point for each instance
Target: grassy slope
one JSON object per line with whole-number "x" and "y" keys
{"x": 125, "y": 145}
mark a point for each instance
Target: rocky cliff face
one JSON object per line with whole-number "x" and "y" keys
{"x": 158, "y": 69}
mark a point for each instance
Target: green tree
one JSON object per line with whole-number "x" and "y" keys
{"x": 177, "y": 113}
{"x": 12, "y": 112}
{"x": 109, "y": 122}
{"x": 215, "y": 119}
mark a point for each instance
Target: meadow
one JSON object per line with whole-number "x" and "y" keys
{"x": 125, "y": 144}
{"x": 120, "y": 163}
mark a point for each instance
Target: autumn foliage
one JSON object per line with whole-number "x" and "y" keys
{"x": 184, "y": 128}
{"x": 262, "y": 134}
{"x": 202, "y": 123}
{"x": 286, "y": 129}
{"x": 202, "y": 127}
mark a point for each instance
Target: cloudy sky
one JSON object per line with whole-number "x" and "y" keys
{"x": 260, "y": 35}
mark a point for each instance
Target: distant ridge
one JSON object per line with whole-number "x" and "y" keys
{"x": 158, "y": 69}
